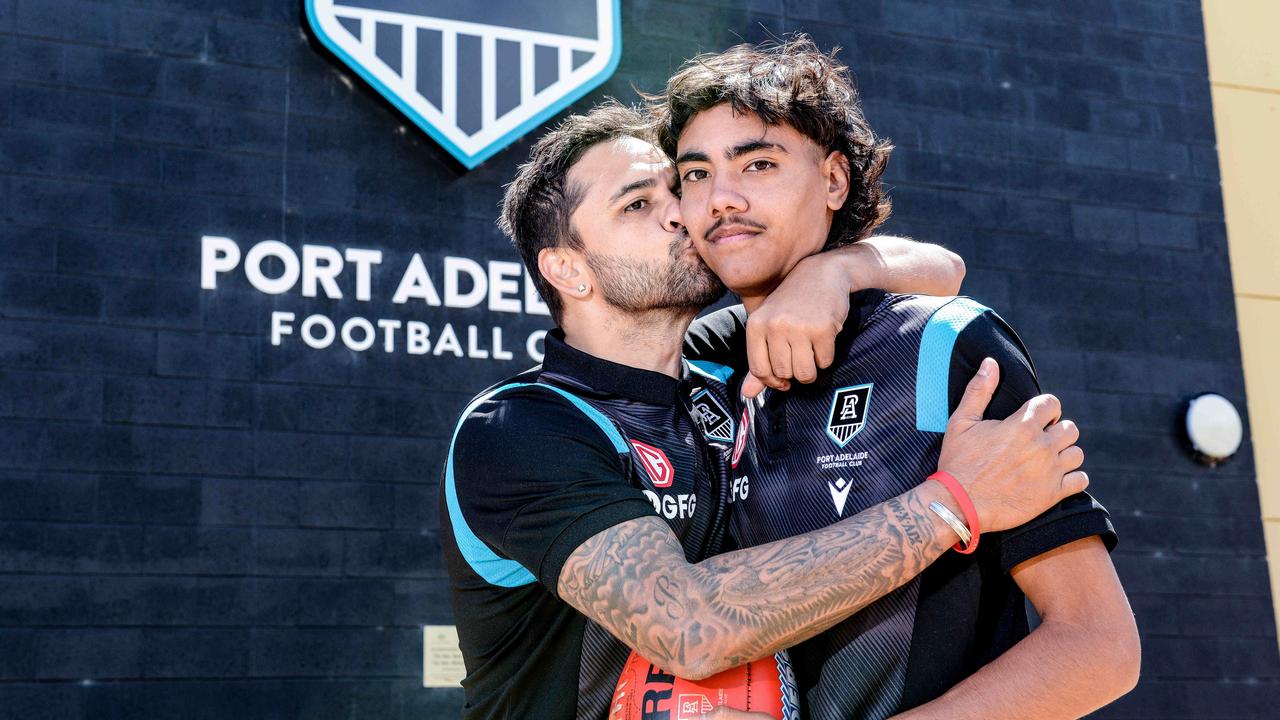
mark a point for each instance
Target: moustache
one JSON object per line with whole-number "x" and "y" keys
{"x": 732, "y": 220}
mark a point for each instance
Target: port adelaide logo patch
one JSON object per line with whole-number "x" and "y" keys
{"x": 474, "y": 75}
{"x": 848, "y": 414}
{"x": 715, "y": 420}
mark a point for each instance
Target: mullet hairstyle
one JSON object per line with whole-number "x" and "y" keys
{"x": 540, "y": 201}
{"x": 791, "y": 82}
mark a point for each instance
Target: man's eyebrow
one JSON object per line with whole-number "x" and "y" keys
{"x": 645, "y": 183}
{"x": 752, "y": 146}
{"x": 733, "y": 152}
{"x": 692, "y": 156}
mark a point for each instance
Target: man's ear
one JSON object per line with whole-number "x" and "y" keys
{"x": 566, "y": 269}
{"x": 835, "y": 170}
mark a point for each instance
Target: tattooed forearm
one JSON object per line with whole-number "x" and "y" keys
{"x": 695, "y": 620}
{"x": 909, "y": 527}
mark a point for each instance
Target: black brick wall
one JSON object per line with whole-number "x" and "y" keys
{"x": 195, "y": 523}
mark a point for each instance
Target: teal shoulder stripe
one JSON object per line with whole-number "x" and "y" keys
{"x": 715, "y": 371}
{"x": 933, "y": 367}
{"x": 495, "y": 570}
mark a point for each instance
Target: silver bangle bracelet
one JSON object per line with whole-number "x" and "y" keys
{"x": 950, "y": 518}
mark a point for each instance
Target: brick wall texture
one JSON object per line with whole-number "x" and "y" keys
{"x": 195, "y": 523}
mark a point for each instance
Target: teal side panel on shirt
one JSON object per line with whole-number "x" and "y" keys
{"x": 715, "y": 371}
{"x": 495, "y": 570}
{"x": 933, "y": 367}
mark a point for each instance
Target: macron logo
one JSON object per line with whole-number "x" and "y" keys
{"x": 839, "y": 493}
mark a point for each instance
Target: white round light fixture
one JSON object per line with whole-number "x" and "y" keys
{"x": 1214, "y": 428}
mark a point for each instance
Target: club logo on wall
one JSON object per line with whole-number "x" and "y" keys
{"x": 848, "y": 413}
{"x": 474, "y": 76}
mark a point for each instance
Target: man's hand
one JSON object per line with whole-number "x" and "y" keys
{"x": 792, "y": 334}
{"x": 1013, "y": 469}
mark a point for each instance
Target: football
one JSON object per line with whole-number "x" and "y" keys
{"x": 645, "y": 691}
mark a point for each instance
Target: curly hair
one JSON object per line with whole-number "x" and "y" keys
{"x": 790, "y": 82}
{"x": 539, "y": 202}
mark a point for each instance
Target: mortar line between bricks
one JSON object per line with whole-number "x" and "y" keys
{"x": 114, "y": 184}
{"x": 1028, "y": 122}
{"x": 434, "y": 483}
{"x": 959, "y": 151}
{"x": 1244, "y": 480}
{"x": 158, "y": 99}
{"x": 119, "y": 474}
{"x": 139, "y": 140}
{"x": 130, "y": 232}
{"x": 15, "y": 33}
{"x": 1240, "y": 679}
{"x": 1031, "y": 52}
{"x": 1080, "y": 20}
{"x": 1199, "y": 549}
{"x": 265, "y": 626}
{"x": 247, "y": 678}
{"x": 238, "y": 381}
{"x": 1208, "y": 184}
{"x": 1017, "y": 15}
{"x": 1206, "y": 555}
{"x": 1191, "y": 554}
{"x": 1064, "y": 199}
{"x": 1163, "y": 515}
{"x": 1200, "y": 596}
{"x": 1241, "y": 482}
{"x": 118, "y": 525}
{"x": 162, "y": 55}
{"x": 1176, "y": 636}
{"x": 275, "y": 576}
{"x": 1099, "y": 169}
{"x": 1165, "y": 554}
{"x": 150, "y": 6}
{"x": 96, "y": 422}
{"x": 282, "y": 578}
{"x": 85, "y": 179}
{"x": 134, "y": 680}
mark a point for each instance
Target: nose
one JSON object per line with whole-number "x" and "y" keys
{"x": 725, "y": 198}
{"x": 672, "y": 221}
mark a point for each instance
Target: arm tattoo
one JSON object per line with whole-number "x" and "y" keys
{"x": 695, "y": 620}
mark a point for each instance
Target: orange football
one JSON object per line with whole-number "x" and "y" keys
{"x": 645, "y": 691}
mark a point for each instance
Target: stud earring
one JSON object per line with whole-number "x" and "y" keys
{"x": 582, "y": 287}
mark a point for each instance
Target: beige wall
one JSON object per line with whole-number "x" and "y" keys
{"x": 1243, "y": 39}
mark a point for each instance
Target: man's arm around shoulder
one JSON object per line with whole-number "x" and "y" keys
{"x": 695, "y": 620}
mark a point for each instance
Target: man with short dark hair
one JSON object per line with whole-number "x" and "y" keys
{"x": 777, "y": 163}
{"x": 584, "y": 501}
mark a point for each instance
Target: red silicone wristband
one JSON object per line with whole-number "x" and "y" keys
{"x": 966, "y": 506}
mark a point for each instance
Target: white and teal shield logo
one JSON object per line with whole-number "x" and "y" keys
{"x": 848, "y": 414}
{"x": 474, "y": 75}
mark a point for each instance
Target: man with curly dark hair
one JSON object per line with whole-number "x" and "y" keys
{"x": 794, "y": 84}
{"x": 777, "y": 163}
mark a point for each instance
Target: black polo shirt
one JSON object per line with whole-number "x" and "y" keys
{"x": 541, "y": 463}
{"x": 868, "y": 429}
